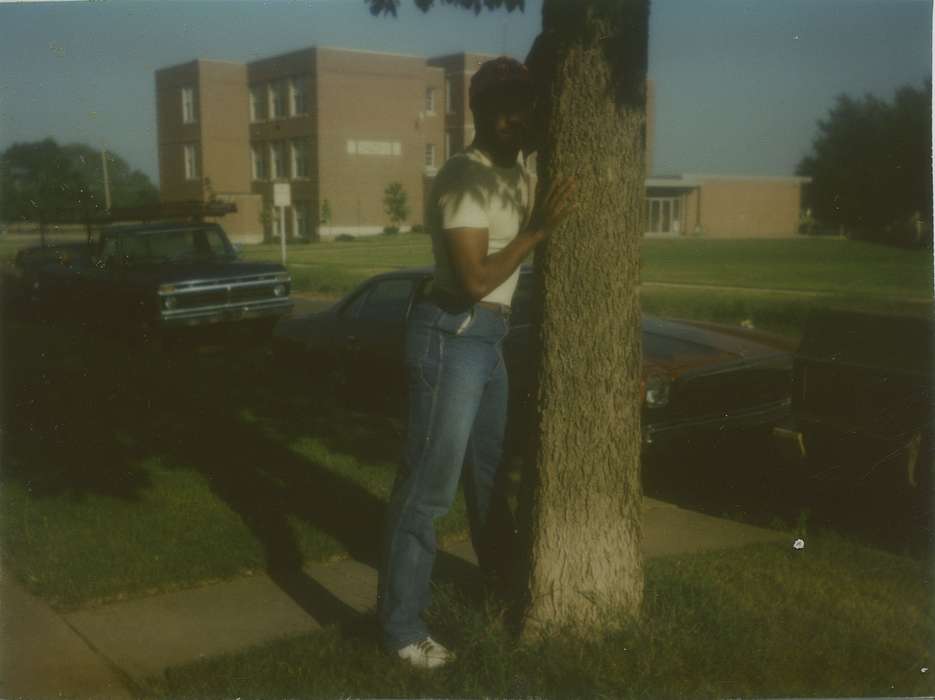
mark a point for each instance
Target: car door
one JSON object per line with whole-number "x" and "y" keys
{"x": 372, "y": 337}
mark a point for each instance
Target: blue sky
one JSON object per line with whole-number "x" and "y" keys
{"x": 740, "y": 84}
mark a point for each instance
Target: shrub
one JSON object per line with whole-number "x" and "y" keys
{"x": 396, "y": 204}
{"x": 345, "y": 238}
{"x": 390, "y": 230}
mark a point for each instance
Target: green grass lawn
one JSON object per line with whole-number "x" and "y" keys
{"x": 838, "y": 266}
{"x": 820, "y": 273}
{"x": 776, "y": 283}
{"x": 119, "y": 481}
{"x": 116, "y": 483}
{"x": 830, "y": 266}
{"x": 833, "y": 620}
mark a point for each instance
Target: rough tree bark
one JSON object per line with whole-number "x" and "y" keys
{"x": 581, "y": 500}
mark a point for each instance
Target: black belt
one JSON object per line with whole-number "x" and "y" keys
{"x": 456, "y": 305}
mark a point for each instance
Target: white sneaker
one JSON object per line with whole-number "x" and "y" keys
{"x": 426, "y": 654}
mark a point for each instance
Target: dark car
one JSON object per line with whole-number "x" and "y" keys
{"x": 697, "y": 377}
{"x": 864, "y": 397}
{"x": 160, "y": 277}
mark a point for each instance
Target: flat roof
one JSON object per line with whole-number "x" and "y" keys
{"x": 697, "y": 179}
{"x": 342, "y": 49}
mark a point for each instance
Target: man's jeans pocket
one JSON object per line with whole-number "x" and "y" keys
{"x": 457, "y": 323}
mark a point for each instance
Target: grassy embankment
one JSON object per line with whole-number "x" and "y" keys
{"x": 832, "y": 620}
{"x": 772, "y": 284}
{"x": 118, "y": 481}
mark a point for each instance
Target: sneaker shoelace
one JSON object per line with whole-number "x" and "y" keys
{"x": 427, "y": 647}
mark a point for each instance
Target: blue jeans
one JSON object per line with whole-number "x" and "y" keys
{"x": 457, "y": 416}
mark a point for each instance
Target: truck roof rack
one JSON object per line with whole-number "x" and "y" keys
{"x": 189, "y": 211}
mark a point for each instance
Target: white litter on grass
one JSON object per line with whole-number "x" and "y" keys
{"x": 925, "y": 669}
{"x": 798, "y": 544}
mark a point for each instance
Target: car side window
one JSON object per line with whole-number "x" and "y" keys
{"x": 352, "y": 310}
{"x": 216, "y": 243}
{"x": 387, "y": 301}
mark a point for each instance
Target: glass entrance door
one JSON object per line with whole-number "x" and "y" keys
{"x": 664, "y": 216}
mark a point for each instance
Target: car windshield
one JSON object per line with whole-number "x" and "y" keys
{"x": 177, "y": 245}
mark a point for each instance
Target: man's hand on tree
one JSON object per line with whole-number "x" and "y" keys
{"x": 553, "y": 208}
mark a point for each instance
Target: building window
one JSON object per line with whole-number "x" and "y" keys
{"x": 277, "y": 151}
{"x": 374, "y": 148}
{"x": 191, "y": 161}
{"x": 260, "y": 164}
{"x": 188, "y": 105}
{"x": 430, "y": 100}
{"x": 298, "y": 96}
{"x": 299, "y": 152}
{"x": 277, "y": 100}
{"x": 449, "y": 107}
{"x": 430, "y": 155}
{"x": 300, "y": 220}
{"x": 258, "y": 103}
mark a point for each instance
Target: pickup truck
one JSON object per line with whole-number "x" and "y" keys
{"x": 163, "y": 279}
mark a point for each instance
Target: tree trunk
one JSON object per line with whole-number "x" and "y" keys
{"x": 581, "y": 504}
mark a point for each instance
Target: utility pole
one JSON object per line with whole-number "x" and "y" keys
{"x": 106, "y": 180}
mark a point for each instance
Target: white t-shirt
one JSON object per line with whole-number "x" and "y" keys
{"x": 471, "y": 192}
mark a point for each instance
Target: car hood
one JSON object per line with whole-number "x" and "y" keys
{"x": 306, "y": 327}
{"x": 197, "y": 270}
{"x": 678, "y": 346}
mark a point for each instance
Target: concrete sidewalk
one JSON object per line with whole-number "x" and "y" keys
{"x": 104, "y": 652}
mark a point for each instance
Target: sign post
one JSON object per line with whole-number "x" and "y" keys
{"x": 282, "y": 198}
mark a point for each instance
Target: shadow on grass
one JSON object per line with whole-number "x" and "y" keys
{"x": 81, "y": 416}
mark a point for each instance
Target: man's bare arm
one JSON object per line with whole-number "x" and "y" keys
{"x": 480, "y": 273}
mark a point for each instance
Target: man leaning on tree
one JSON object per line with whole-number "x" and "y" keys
{"x": 483, "y": 226}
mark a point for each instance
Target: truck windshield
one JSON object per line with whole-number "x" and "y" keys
{"x": 186, "y": 244}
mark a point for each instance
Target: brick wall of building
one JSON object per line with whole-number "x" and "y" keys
{"x": 373, "y": 131}
{"x": 364, "y": 122}
{"x": 749, "y": 207}
{"x": 173, "y": 134}
{"x": 223, "y": 122}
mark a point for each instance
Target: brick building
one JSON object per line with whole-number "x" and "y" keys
{"x": 340, "y": 125}
{"x": 723, "y": 206}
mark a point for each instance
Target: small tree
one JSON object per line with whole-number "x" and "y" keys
{"x": 396, "y": 204}
{"x": 266, "y": 221}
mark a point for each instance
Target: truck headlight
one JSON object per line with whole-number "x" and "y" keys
{"x": 169, "y": 303}
{"x": 279, "y": 290}
{"x": 656, "y": 390}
